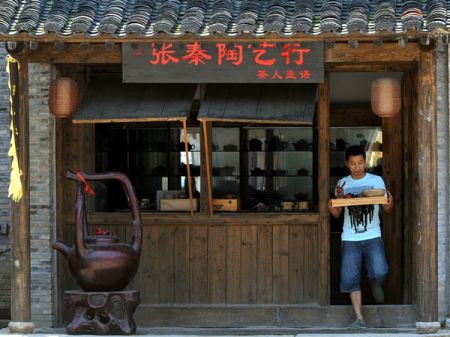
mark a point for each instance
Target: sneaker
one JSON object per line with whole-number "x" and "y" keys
{"x": 377, "y": 292}
{"x": 357, "y": 324}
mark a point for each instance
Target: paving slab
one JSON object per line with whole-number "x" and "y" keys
{"x": 250, "y": 331}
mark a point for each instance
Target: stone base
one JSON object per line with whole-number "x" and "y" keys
{"x": 427, "y": 327}
{"x": 21, "y": 327}
{"x": 101, "y": 313}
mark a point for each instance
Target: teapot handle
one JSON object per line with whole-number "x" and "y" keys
{"x": 131, "y": 196}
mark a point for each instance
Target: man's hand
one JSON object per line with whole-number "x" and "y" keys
{"x": 335, "y": 211}
{"x": 390, "y": 202}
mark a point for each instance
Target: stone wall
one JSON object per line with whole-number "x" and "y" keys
{"x": 5, "y": 252}
{"x": 42, "y": 192}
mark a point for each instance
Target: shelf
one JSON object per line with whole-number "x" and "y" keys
{"x": 281, "y": 176}
{"x": 306, "y": 151}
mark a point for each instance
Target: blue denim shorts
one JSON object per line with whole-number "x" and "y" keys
{"x": 352, "y": 255}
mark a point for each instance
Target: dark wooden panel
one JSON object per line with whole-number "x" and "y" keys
{"x": 324, "y": 183}
{"x": 385, "y": 316}
{"x": 311, "y": 274}
{"x": 199, "y": 264}
{"x": 296, "y": 264}
{"x": 249, "y": 255}
{"x": 348, "y": 115}
{"x": 109, "y": 100}
{"x": 149, "y": 265}
{"x": 233, "y": 265}
{"x": 408, "y": 97}
{"x": 393, "y": 222}
{"x": 426, "y": 190}
{"x": 166, "y": 265}
{"x": 182, "y": 286}
{"x": 260, "y": 103}
{"x": 216, "y": 264}
{"x": 280, "y": 264}
{"x": 264, "y": 265}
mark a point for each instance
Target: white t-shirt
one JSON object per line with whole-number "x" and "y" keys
{"x": 361, "y": 222}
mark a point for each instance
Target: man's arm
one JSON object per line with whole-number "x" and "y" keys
{"x": 390, "y": 202}
{"x": 335, "y": 211}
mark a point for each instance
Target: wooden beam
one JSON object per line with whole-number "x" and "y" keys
{"x": 251, "y": 219}
{"x": 426, "y": 191}
{"x": 324, "y": 187}
{"x": 73, "y": 54}
{"x": 387, "y": 57}
{"x": 369, "y": 53}
{"x": 20, "y": 215}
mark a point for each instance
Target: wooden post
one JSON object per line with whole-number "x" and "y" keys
{"x": 20, "y": 215}
{"x": 324, "y": 186}
{"x": 425, "y": 191}
{"x": 188, "y": 168}
{"x": 208, "y": 166}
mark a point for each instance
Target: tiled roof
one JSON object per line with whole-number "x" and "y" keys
{"x": 147, "y": 18}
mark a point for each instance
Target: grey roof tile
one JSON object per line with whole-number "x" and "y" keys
{"x": 147, "y": 18}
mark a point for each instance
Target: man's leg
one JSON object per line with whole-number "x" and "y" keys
{"x": 377, "y": 266}
{"x": 356, "y": 298}
{"x": 351, "y": 261}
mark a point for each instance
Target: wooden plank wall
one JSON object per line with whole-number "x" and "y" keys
{"x": 225, "y": 264}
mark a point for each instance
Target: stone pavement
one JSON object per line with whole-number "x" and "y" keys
{"x": 253, "y": 332}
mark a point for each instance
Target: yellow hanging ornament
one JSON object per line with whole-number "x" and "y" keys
{"x": 15, "y": 191}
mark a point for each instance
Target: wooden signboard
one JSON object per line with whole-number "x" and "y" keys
{"x": 359, "y": 201}
{"x": 240, "y": 62}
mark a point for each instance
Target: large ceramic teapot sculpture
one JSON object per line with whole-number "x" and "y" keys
{"x": 101, "y": 263}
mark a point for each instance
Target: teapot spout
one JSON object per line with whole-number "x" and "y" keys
{"x": 61, "y": 247}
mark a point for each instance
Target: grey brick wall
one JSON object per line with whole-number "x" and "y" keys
{"x": 443, "y": 178}
{"x": 41, "y": 197}
{"x": 5, "y": 255}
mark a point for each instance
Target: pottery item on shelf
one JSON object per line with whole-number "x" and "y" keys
{"x": 230, "y": 195}
{"x": 100, "y": 263}
{"x": 257, "y": 172}
{"x": 180, "y": 146}
{"x": 278, "y": 172}
{"x": 195, "y": 169}
{"x": 302, "y": 145}
{"x": 302, "y": 205}
{"x": 159, "y": 170}
{"x": 230, "y": 147}
{"x": 276, "y": 144}
{"x": 255, "y": 144}
{"x": 301, "y": 196}
{"x": 340, "y": 144}
{"x": 287, "y": 205}
{"x": 215, "y": 147}
{"x": 302, "y": 172}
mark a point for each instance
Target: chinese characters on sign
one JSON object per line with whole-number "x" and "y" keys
{"x": 255, "y": 62}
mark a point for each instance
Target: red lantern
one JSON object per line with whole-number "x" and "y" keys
{"x": 386, "y": 98}
{"x": 63, "y": 97}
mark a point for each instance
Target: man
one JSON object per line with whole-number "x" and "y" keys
{"x": 361, "y": 235}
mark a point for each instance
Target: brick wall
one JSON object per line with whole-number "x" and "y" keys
{"x": 5, "y": 255}
{"x": 41, "y": 197}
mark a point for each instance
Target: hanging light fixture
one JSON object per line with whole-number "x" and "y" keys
{"x": 63, "y": 97}
{"x": 386, "y": 97}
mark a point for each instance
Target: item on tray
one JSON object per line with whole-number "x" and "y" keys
{"x": 373, "y": 192}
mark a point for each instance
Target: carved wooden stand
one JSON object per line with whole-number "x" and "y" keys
{"x": 101, "y": 313}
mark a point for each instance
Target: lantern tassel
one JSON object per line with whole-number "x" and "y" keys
{"x": 15, "y": 191}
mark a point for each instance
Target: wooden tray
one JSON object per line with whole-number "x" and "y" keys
{"x": 359, "y": 201}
